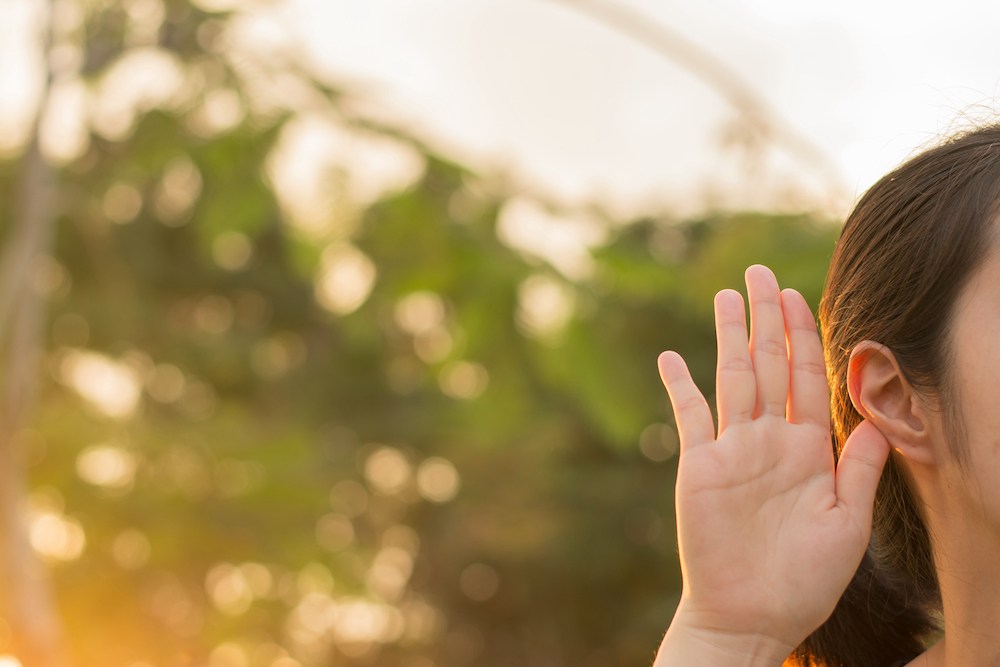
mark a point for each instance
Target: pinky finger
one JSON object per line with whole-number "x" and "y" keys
{"x": 694, "y": 418}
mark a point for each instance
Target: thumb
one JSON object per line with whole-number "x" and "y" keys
{"x": 859, "y": 469}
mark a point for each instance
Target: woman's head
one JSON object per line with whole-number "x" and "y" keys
{"x": 906, "y": 256}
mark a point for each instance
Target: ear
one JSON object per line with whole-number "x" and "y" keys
{"x": 883, "y": 396}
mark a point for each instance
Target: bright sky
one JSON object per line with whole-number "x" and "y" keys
{"x": 578, "y": 112}
{"x": 581, "y": 112}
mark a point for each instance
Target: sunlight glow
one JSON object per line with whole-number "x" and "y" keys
{"x": 434, "y": 345}
{"x": 229, "y": 589}
{"x": 177, "y": 191}
{"x": 352, "y": 623}
{"x": 562, "y": 241}
{"x": 437, "y": 480}
{"x": 464, "y": 380}
{"x": 219, "y": 111}
{"x": 56, "y": 537}
{"x": 388, "y": 470}
{"x": 228, "y": 654}
{"x": 314, "y": 578}
{"x": 390, "y": 572}
{"x": 419, "y": 312}
{"x": 143, "y": 79}
{"x": 359, "y": 620}
{"x": 109, "y": 466}
{"x": 544, "y": 306}
{"x": 112, "y": 387}
{"x": 403, "y": 537}
{"x": 422, "y": 315}
{"x": 344, "y": 280}
{"x": 325, "y": 172}
{"x": 64, "y": 132}
{"x": 145, "y": 20}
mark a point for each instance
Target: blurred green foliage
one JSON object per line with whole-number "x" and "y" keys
{"x": 284, "y": 490}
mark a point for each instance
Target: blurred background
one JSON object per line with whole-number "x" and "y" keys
{"x": 328, "y": 329}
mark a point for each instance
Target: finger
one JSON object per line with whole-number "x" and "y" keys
{"x": 808, "y": 393}
{"x": 859, "y": 470}
{"x": 694, "y": 419}
{"x": 735, "y": 387}
{"x": 767, "y": 342}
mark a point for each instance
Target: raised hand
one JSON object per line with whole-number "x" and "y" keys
{"x": 769, "y": 532}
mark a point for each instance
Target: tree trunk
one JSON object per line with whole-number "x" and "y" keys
{"x": 27, "y": 598}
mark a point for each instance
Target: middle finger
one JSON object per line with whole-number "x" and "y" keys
{"x": 768, "y": 351}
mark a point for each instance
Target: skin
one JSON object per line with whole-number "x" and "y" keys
{"x": 770, "y": 533}
{"x": 961, "y": 498}
{"x": 760, "y": 507}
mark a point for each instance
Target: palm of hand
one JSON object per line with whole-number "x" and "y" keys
{"x": 770, "y": 534}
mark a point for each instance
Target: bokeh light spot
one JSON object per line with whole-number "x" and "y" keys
{"x": 390, "y": 572}
{"x": 165, "y": 383}
{"x": 110, "y": 386}
{"x": 108, "y": 466}
{"x": 214, "y": 314}
{"x": 479, "y": 582}
{"x": 228, "y": 654}
{"x": 232, "y": 250}
{"x": 419, "y": 312}
{"x": 349, "y": 498}
{"x": 463, "y": 380}
{"x": 658, "y": 442}
{"x": 229, "y": 589}
{"x": 344, "y": 280}
{"x": 276, "y": 355}
{"x": 334, "y": 532}
{"x": 178, "y": 190}
{"x": 122, "y": 203}
{"x": 387, "y": 470}
{"x": 437, "y": 480}
{"x": 544, "y": 306}
{"x": 56, "y": 537}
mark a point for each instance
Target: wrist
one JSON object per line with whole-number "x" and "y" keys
{"x": 689, "y": 644}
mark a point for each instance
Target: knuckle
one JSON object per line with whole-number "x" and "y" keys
{"x": 810, "y": 367}
{"x": 736, "y": 364}
{"x": 857, "y": 459}
{"x": 771, "y": 347}
{"x": 688, "y": 403}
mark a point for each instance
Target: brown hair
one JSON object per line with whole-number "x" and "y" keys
{"x": 904, "y": 256}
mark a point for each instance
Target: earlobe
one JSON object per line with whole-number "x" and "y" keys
{"x": 883, "y": 396}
